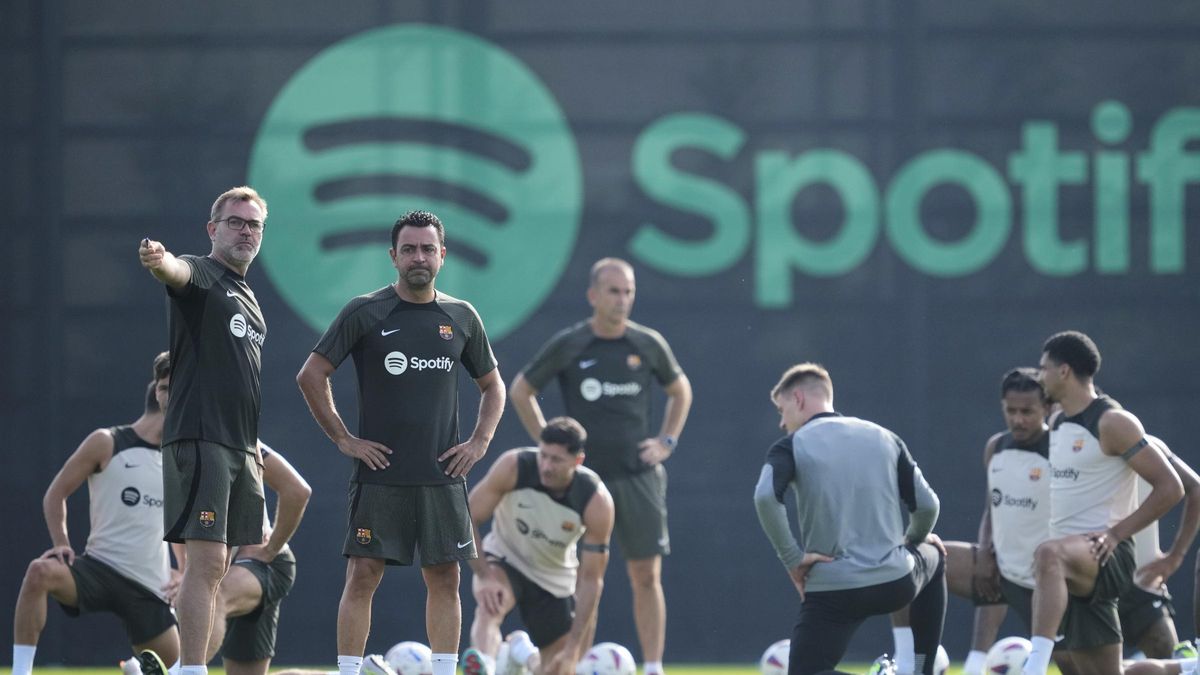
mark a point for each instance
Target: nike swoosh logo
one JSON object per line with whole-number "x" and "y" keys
{"x": 130, "y": 466}
{"x": 584, "y": 365}
{"x": 386, "y": 333}
{"x": 468, "y": 543}
{"x": 523, "y": 506}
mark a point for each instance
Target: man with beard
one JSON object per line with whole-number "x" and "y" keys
{"x": 407, "y": 492}
{"x": 1097, "y": 452}
{"x": 213, "y": 495}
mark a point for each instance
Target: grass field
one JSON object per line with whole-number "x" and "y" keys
{"x": 672, "y": 669}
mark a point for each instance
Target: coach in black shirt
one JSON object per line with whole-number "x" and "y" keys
{"x": 213, "y": 494}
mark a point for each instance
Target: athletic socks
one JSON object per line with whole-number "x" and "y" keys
{"x": 348, "y": 665}
{"x": 174, "y": 669}
{"x": 1039, "y": 658}
{"x": 902, "y": 639}
{"x": 445, "y": 664}
{"x": 652, "y": 668}
{"x": 193, "y": 670}
{"x": 975, "y": 662}
{"x": 23, "y": 659}
{"x": 521, "y": 648}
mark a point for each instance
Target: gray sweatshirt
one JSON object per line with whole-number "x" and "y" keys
{"x": 852, "y": 478}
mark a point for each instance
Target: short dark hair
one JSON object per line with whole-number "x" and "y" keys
{"x": 565, "y": 431}
{"x": 419, "y": 219}
{"x": 162, "y": 366}
{"x": 803, "y": 373}
{"x": 1022, "y": 380}
{"x": 151, "y": 397}
{"x": 1074, "y": 349}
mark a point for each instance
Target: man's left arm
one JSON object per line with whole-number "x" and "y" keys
{"x": 1158, "y": 571}
{"x": 1121, "y": 435}
{"x": 491, "y": 406}
{"x": 589, "y": 584}
{"x": 679, "y": 402}
{"x": 293, "y": 492}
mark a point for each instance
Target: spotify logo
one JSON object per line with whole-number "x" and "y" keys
{"x": 417, "y": 117}
{"x": 237, "y": 325}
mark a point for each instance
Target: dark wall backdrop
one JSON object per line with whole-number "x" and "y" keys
{"x": 914, "y": 193}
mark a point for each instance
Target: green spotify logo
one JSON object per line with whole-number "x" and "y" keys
{"x": 417, "y": 117}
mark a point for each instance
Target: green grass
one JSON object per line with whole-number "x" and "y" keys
{"x": 671, "y": 668}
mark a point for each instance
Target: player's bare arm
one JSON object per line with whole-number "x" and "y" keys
{"x": 293, "y": 492}
{"x": 1158, "y": 571}
{"x": 987, "y": 573}
{"x": 1120, "y": 434}
{"x": 92, "y": 455}
{"x": 598, "y": 518}
{"x": 163, "y": 264}
{"x": 524, "y": 400}
{"x": 491, "y": 405}
{"x": 679, "y": 402}
{"x": 489, "y": 590}
{"x": 313, "y": 380}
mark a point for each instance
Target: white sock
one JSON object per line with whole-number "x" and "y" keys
{"x": 652, "y": 668}
{"x": 445, "y": 664}
{"x": 131, "y": 666}
{"x": 521, "y": 649}
{"x": 904, "y": 654}
{"x": 1187, "y": 667}
{"x": 349, "y": 665}
{"x": 174, "y": 669}
{"x": 974, "y": 664}
{"x": 1039, "y": 658}
{"x": 23, "y": 659}
{"x": 193, "y": 670}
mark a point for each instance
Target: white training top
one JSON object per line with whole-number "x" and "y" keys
{"x": 1019, "y": 484}
{"x": 1089, "y": 490}
{"x": 126, "y": 510}
{"x": 536, "y": 532}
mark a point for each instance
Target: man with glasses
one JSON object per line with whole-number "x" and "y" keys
{"x": 212, "y": 471}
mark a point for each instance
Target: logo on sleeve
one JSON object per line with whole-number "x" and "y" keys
{"x": 208, "y": 518}
{"x": 363, "y": 535}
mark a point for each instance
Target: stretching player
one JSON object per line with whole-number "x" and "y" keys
{"x": 1097, "y": 450}
{"x": 541, "y": 503}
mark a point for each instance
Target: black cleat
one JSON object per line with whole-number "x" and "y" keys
{"x": 152, "y": 664}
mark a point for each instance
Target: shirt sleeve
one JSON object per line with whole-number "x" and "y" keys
{"x": 777, "y": 473}
{"x": 666, "y": 368}
{"x": 549, "y": 361}
{"x": 920, "y": 499}
{"x": 477, "y": 357}
{"x": 345, "y": 332}
{"x": 201, "y": 279}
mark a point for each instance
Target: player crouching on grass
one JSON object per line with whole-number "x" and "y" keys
{"x": 541, "y": 503}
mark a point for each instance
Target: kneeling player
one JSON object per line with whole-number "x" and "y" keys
{"x": 541, "y": 503}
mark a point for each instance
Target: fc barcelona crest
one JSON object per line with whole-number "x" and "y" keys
{"x": 208, "y": 518}
{"x": 363, "y": 535}
{"x": 568, "y": 526}
{"x": 446, "y": 332}
{"x": 633, "y": 361}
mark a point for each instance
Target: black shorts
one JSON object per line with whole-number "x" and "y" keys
{"x": 546, "y": 616}
{"x": 251, "y": 637}
{"x": 1093, "y": 621}
{"x": 828, "y": 619}
{"x": 101, "y": 588}
{"x": 640, "y": 527}
{"x": 1140, "y": 609}
{"x": 212, "y": 492}
{"x": 391, "y": 521}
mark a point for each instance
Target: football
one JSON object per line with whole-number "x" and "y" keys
{"x": 410, "y": 658}
{"x": 1007, "y": 656}
{"x": 774, "y": 661}
{"x": 606, "y": 658}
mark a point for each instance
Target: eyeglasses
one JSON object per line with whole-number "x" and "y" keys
{"x": 238, "y": 224}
